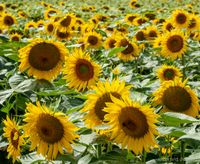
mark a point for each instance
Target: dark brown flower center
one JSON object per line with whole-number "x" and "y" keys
{"x": 1, "y": 8}
{"x": 181, "y": 18}
{"x": 14, "y": 135}
{"x": 175, "y": 43}
{"x": 169, "y": 74}
{"x": 141, "y": 21}
{"x": 133, "y": 122}
{"x": 8, "y": 20}
{"x": 66, "y": 21}
{"x": 49, "y": 128}
{"x": 176, "y": 99}
{"x": 15, "y": 38}
{"x": 62, "y": 35}
{"x": 84, "y": 70}
{"x": 93, "y": 40}
{"x": 101, "y": 104}
{"x": 131, "y": 18}
{"x": 140, "y": 36}
{"x": 169, "y": 27}
{"x": 44, "y": 56}
{"x": 152, "y": 34}
{"x": 112, "y": 43}
{"x": 50, "y": 27}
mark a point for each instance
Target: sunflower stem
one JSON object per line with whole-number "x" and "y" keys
{"x": 182, "y": 151}
{"x": 99, "y": 150}
{"x": 144, "y": 156}
{"x": 183, "y": 64}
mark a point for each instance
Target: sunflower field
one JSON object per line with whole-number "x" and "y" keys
{"x": 99, "y": 81}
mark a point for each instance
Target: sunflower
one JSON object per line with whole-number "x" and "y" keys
{"x": 7, "y": 20}
{"x": 130, "y": 17}
{"x": 50, "y": 27}
{"x": 167, "y": 25}
{"x": 110, "y": 42}
{"x": 30, "y": 25}
{"x": 2, "y": 8}
{"x": 67, "y": 22}
{"x": 157, "y": 42}
{"x": 93, "y": 39}
{"x": 40, "y": 23}
{"x": 131, "y": 52}
{"x": 139, "y": 21}
{"x": 194, "y": 23}
{"x": 15, "y": 139}
{"x": 174, "y": 44}
{"x": 180, "y": 19}
{"x": 15, "y": 37}
{"x": 176, "y": 96}
{"x": 152, "y": 32}
{"x": 48, "y": 131}
{"x": 42, "y": 58}
{"x": 166, "y": 72}
{"x": 96, "y": 101}
{"x": 63, "y": 34}
{"x": 49, "y": 13}
{"x": 80, "y": 71}
{"x": 131, "y": 125}
{"x": 22, "y": 14}
{"x": 140, "y": 35}
{"x": 132, "y": 3}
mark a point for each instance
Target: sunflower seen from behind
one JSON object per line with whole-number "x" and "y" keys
{"x": 131, "y": 124}
{"x": 80, "y": 71}
{"x": 42, "y": 58}
{"x": 48, "y": 131}
{"x": 166, "y": 72}
{"x": 177, "y": 96}
{"x": 14, "y": 137}
{"x": 174, "y": 44}
{"x": 96, "y": 101}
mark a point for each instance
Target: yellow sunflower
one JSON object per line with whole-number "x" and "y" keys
{"x": 157, "y": 42}
{"x": 15, "y": 139}
{"x": 131, "y": 52}
{"x": 2, "y": 8}
{"x": 110, "y": 42}
{"x": 48, "y": 131}
{"x": 63, "y": 34}
{"x": 93, "y": 39}
{"x": 50, "y": 27}
{"x": 194, "y": 23}
{"x": 131, "y": 125}
{"x": 132, "y": 3}
{"x": 42, "y": 58}
{"x": 176, "y": 96}
{"x": 7, "y": 20}
{"x": 49, "y": 13}
{"x": 80, "y": 71}
{"x": 174, "y": 44}
{"x": 30, "y": 25}
{"x": 67, "y": 22}
{"x": 140, "y": 35}
{"x": 130, "y": 17}
{"x": 96, "y": 101}
{"x": 152, "y": 32}
{"x": 167, "y": 25}
{"x": 167, "y": 72}
{"x": 180, "y": 19}
{"x": 22, "y": 14}
{"x": 15, "y": 37}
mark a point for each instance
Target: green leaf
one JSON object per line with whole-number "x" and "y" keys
{"x": 194, "y": 136}
{"x": 25, "y": 86}
{"x": 115, "y": 51}
{"x": 55, "y": 92}
{"x": 176, "y": 119}
{"x": 194, "y": 158}
{"x": 85, "y": 159}
{"x": 5, "y": 94}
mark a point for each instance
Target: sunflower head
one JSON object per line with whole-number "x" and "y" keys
{"x": 42, "y": 58}
{"x": 50, "y": 27}
{"x": 194, "y": 22}
{"x": 14, "y": 137}
{"x": 180, "y": 19}
{"x": 48, "y": 131}
{"x": 131, "y": 51}
{"x": 140, "y": 35}
{"x": 110, "y": 42}
{"x": 176, "y": 96}
{"x": 15, "y": 37}
{"x": 174, "y": 44}
{"x": 152, "y": 32}
{"x": 7, "y": 20}
{"x": 129, "y": 18}
{"x": 67, "y": 22}
{"x": 131, "y": 125}
{"x": 166, "y": 72}
{"x": 2, "y": 8}
{"x": 63, "y": 34}
{"x": 80, "y": 71}
{"x": 93, "y": 39}
{"x": 96, "y": 101}
{"x": 49, "y": 13}
{"x": 167, "y": 25}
